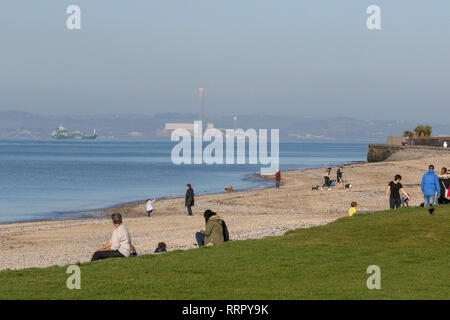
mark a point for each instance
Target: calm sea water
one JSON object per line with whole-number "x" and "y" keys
{"x": 42, "y": 179}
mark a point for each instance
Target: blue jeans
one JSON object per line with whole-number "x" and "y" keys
{"x": 429, "y": 200}
{"x": 189, "y": 210}
{"x": 200, "y": 239}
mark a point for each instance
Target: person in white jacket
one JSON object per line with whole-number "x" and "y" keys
{"x": 120, "y": 244}
{"x": 149, "y": 206}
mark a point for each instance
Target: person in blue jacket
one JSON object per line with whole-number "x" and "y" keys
{"x": 430, "y": 188}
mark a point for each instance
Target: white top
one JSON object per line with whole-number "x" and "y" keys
{"x": 120, "y": 240}
{"x": 149, "y": 205}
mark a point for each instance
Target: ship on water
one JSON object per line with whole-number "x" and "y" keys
{"x": 62, "y": 133}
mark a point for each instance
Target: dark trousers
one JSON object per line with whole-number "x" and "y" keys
{"x": 200, "y": 239}
{"x": 327, "y": 182}
{"x": 189, "y": 210}
{"x": 277, "y": 183}
{"x": 395, "y": 203}
{"x": 100, "y": 255}
{"x": 149, "y": 213}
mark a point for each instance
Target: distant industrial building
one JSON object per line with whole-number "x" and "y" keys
{"x": 169, "y": 127}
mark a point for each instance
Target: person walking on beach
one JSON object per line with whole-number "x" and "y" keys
{"x": 149, "y": 207}
{"x": 326, "y": 176}
{"x": 277, "y": 179}
{"x": 394, "y": 188}
{"x": 339, "y": 179}
{"x": 213, "y": 233}
{"x": 189, "y": 199}
{"x": 120, "y": 244}
{"x": 430, "y": 188}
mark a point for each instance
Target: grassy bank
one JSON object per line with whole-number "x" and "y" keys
{"x": 329, "y": 262}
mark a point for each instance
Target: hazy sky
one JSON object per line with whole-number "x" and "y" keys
{"x": 312, "y": 58}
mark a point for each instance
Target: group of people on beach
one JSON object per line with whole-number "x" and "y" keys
{"x": 328, "y": 182}
{"x": 215, "y": 232}
{"x": 188, "y": 200}
{"x": 435, "y": 189}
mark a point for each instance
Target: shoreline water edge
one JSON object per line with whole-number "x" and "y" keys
{"x": 99, "y": 213}
{"x": 250, "y": 214}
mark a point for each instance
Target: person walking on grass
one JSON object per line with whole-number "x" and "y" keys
{"x": 189, "y": 199}
{"x": 394, "y": 188}
{"x": 149, "y": 207}
{"x": 120, "y": 244}
{"x": 430, "y": 188}
{"x": 213, "y": 233}
{"x": 277, "y": 179}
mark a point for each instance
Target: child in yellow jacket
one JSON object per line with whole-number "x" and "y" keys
{"x": 352, "y": 210}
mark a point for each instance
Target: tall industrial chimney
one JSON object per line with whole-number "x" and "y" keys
{"x": 201, "y": 101}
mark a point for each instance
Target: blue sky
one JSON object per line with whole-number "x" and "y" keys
{"x": 311, "y": 58}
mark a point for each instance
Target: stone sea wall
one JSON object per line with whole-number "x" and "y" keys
{"x": 381, "y": 152}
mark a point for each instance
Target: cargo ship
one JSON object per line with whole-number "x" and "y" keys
{"x": 62, "y": 133}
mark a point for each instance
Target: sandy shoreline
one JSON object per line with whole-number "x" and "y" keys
{"x": 249, "y": 214}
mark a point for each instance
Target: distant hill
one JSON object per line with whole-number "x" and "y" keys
{"x": 138, "y": 126}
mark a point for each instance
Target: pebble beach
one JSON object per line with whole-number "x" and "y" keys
{"x": 250, "y": 214}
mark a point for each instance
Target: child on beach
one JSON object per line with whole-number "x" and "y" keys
{"x": 149, "y": 206}
{"x": 352, "y": 210}
{"x": 161, "y": 247}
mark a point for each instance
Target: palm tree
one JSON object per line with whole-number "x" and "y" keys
{"x": 419, "y": 131}
{"x": 427, "y": 131}
{"x": 408, "y": 134}
{"x": 423, "y": 131}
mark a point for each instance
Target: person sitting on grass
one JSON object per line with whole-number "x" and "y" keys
{"x": 120, "y": 244}
{"x": 133, "y": 252}
{"x": 161, "y": 247}
{"x": 213, "y": 233}
{"x": 352, "y": 209}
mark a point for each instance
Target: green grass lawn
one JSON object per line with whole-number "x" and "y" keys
{"x": 411, "y": 247}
